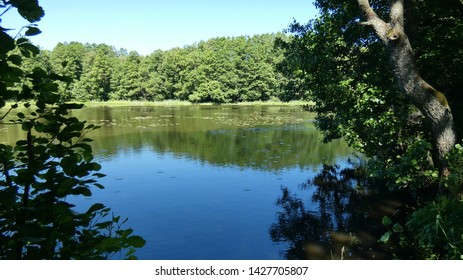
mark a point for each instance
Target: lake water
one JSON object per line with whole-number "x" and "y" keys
{"x": 208, "y": 182}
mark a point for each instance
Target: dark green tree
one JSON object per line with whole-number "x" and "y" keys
{"x": 95, "y": 83}
{"x": 126, "y": 83}
{"x": 68, "y": 60}
{"x": 294, "y": 79}
{"x": 151, "y": 80}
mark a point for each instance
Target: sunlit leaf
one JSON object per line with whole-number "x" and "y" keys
{"x": 385, "y": 237}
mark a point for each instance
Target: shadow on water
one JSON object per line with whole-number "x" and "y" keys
{"x": 341, "y": 220}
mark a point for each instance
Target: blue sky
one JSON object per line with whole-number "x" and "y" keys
{"x": 148, "y": 25}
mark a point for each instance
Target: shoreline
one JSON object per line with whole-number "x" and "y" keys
{"x": 166, "y": 103}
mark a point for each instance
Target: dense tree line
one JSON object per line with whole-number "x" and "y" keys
{"x": 220, "y": 70}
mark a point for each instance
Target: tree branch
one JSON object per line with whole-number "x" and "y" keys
{"x": 397, "y": 14}
{"x": 6, "y": 10}
{"x": 6, "y": 114}
{"x": 372, "y": 19}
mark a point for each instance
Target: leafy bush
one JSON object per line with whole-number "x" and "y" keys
{"x": 437, "y": 229}
{"x": 51, "y": 163}
{"x": 412, "y": 170}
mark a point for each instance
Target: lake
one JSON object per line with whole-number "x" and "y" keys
{"x": 211, "y": 182}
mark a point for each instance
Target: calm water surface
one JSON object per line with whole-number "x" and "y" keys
{"x": 205, "y": 182}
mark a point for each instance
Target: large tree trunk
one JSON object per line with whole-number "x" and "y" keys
{"x": 432, "y": 103}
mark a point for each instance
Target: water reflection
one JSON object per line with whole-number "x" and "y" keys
{"x": 258, "y": 137}
{"x": 200, "y": 182}
{"x": 340, "y": 221}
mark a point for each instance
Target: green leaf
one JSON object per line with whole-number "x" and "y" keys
{"x": 386, "y": 221}
{"x": 28, "y": 50}
{"x": 385, "y": 237}
{"x": 40, "y": 127}
{"x": 68, "y": 164}
{"x": 96, "y": 166}
{"x": 98, "y": 185}
{"x": 69, "y": 183}
{"x": 95, "y": 207}
{"x": 15, "y": 59}
{"x": 397, "y": 228}
{"x": 29, "y": 10}
{"x": 6, "y": 42}
{"x": 38, "y": 72}
{"x": 32, "y": 31}
{"x": 82, "y": 191}
{"x": 136, "y": 241}
{"x": 21, "y": 143}
{"x": 104, "y": 225}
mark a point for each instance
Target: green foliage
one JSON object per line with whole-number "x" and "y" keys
{"x": 438, "y": 230}
{"x": 346, "y": 69}
{"x": 220, "y": 70}
{"x": 127, "y": 83}
{"x": 53, "y": 162}
{"x": 455, "y": 179}
{"x": 95, "y": 83}
{"x": 439, "y": 50}
{"x": 412, "y": 170}
{"x": 295, "y": 81}
{"x": 354, "y": 95}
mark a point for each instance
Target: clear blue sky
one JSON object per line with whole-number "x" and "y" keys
{"x": 148, "y": 25}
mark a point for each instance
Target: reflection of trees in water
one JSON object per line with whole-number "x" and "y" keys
{"x": 343, "y": 224}
{"x": 266, "y": 138}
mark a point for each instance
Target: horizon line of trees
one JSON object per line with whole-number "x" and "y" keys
{"x": 219, "y": 70}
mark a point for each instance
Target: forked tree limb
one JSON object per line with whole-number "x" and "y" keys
{"x": 432, "y": 103}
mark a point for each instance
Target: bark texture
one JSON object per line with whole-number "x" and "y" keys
{"x": 432, "y": 103}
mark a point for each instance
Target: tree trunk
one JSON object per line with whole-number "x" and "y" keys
{"x": 431, "y": 103}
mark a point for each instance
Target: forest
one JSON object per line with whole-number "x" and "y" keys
{"x": 385, "y": 76}
{"x": 219, "y": 70}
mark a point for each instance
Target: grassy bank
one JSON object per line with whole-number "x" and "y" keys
{"x": 187, "y": 103}
{"x": 166, "y": 103}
